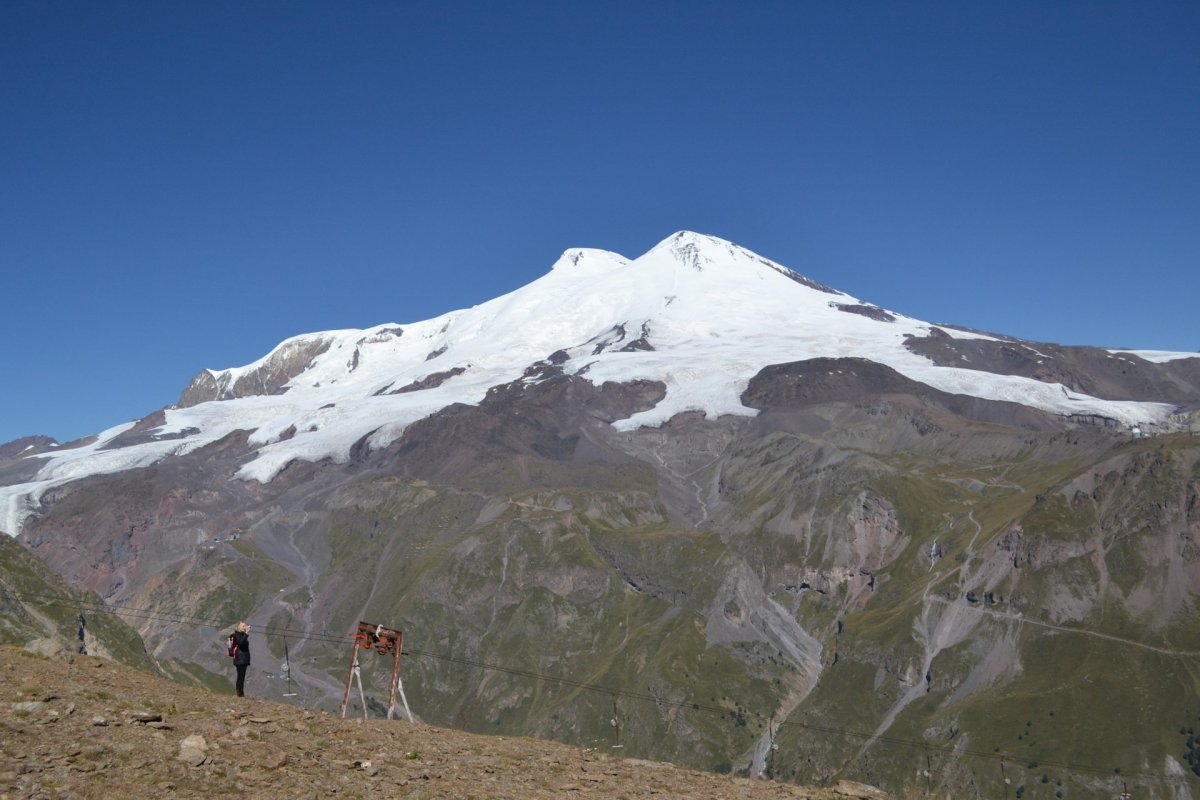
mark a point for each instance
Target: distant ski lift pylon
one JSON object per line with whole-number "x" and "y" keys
{"x": 383, "y": 641}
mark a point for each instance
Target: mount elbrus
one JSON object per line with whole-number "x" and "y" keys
{"x": 693, "y": 506}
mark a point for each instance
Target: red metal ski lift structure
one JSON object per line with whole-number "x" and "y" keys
{"x": 383, "y": 641}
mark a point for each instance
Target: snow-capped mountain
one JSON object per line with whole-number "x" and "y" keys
{"x": 694, "y": 476}
{"x": 696, "y": 313}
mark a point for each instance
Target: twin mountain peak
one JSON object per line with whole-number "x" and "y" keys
{"x": 696, "y": 315}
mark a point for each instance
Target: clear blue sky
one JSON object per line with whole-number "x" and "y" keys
{"x": 183, "y": 185}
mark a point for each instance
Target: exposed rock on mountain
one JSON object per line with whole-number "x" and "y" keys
{"x": 269, "y": 376}
{"x": 1119, "y": 375}
{"x": 40, "y": 612}
{"x": 26, "y": 446}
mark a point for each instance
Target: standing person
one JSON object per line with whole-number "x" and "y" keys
{"x": 241, "y": 654}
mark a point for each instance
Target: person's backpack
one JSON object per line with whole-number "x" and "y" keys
{"x": 231, "y": 650}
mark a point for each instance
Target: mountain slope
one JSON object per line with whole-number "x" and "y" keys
{"x": 40, "y": 612}
{"x": 84, "y": 729}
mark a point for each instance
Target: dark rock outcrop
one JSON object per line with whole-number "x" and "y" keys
{"x": 271, "y": 377}
{"x": 1088, "y": 370}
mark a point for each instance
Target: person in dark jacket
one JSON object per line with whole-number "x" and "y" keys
{"x": 241, "y": 654}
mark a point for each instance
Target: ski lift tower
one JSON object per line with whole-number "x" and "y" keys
{"x": 383, "y": 641}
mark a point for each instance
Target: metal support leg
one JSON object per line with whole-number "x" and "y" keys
{"x": 349, "y": 678}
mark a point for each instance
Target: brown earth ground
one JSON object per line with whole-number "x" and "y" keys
{"x": 86, "y": 727}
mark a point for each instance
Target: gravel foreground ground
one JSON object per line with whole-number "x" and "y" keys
{"x": 86, "y": 727}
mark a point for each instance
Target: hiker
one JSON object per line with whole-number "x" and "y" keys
{"x": 240, "y": 642}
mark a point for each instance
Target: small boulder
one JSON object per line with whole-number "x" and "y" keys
{"x": 193, "y": 750}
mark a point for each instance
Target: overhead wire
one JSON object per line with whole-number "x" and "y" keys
{"x": 341, "y": 639}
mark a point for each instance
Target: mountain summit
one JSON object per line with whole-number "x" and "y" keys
{"x": 696, "y": 313}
